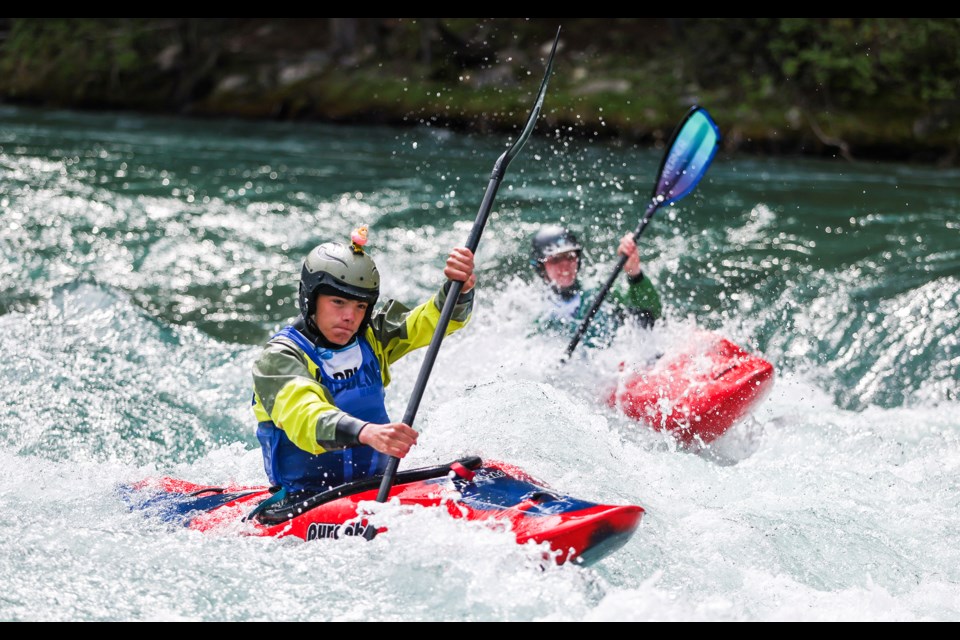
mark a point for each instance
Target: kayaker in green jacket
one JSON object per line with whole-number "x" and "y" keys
{"x": 557, "y": 256}
{"x": 319, "y": 384}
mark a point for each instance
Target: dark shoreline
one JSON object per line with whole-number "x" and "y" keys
{"x": 633, "y": 86}
{"x": 772, "y": 146}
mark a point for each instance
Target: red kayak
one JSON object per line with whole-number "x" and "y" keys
{"x": 696, "y": 393}
{"x": 470, "y": 489}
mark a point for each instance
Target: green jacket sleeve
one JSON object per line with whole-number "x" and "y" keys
{"x": 639, "y": 295}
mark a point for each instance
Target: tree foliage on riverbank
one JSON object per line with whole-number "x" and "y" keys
{"x": 853, "y": 87}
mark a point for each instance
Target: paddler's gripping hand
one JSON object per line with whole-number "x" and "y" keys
{"x": 394, "y": 439}
{"x": 628, "y": 247}
{"x": 460, "y": 268}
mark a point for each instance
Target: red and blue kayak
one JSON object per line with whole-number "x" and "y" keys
{"x": 696, "y": 393}
{"x": 575, "y": 530}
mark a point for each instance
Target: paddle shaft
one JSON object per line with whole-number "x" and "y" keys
{"x": 473, "y": 241}
{"x": 453, "y": 294}
{"x": 610, "y": 281}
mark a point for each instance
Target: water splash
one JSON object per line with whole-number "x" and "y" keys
{"x": 143, "y": 261}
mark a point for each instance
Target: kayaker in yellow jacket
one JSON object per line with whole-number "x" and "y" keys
{"x": 557, "y": 255}
{"x": 319, "y": 384}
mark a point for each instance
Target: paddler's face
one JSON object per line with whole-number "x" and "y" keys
{"x": 339, "y": 319}
{"x": 561, "y": 269}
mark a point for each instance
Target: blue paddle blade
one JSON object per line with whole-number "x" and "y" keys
{"x": 692, "y": 148}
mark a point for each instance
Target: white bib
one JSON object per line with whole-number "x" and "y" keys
{"x": 344, "y": 363}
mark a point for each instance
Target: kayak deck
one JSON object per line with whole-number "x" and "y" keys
{"x": 497, "y": 493}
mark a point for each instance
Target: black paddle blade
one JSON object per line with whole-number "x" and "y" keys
{"x": 537, "y": 107}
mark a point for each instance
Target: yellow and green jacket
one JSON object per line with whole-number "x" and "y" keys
{"x": 298, "y": 415}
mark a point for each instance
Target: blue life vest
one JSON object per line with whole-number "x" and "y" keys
{"x": 362, "y": 396}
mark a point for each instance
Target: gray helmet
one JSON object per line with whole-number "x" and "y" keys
{"x": 337, "y": 269}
